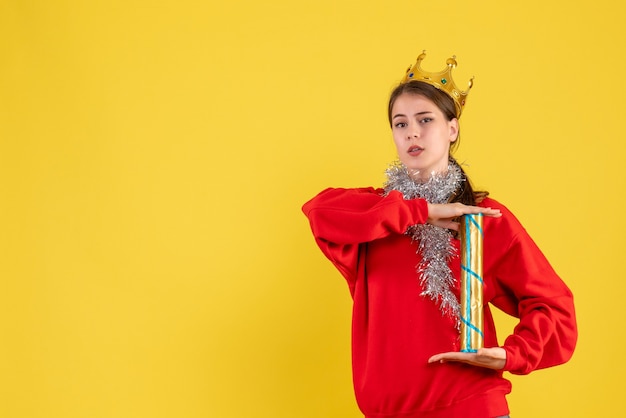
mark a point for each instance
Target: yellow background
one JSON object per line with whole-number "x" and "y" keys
{"x": 154, "y": 156}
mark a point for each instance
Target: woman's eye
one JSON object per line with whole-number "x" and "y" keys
{"x": 426, "y": 120}
{"x": 400, "y": 125}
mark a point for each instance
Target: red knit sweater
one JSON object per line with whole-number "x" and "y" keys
{"x": 395, "y": 330}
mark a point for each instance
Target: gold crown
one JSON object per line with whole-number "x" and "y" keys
{"x": 441, "y": 80}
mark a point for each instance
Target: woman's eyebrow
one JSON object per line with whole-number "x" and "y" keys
{"x": 415, "y": 114}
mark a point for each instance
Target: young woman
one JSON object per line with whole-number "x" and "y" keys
{"x": 396, "y": 246}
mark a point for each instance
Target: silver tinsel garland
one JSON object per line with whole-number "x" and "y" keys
{"x": 433, "y": 243}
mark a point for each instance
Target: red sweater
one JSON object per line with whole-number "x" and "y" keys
{"x": 395, "y": 330}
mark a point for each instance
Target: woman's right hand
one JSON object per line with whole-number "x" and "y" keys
{"x": 443, "y": 215}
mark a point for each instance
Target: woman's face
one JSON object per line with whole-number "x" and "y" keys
{"x": 422, "y": 135}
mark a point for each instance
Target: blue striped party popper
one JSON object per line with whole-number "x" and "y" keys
{"x": 471, "y": 236}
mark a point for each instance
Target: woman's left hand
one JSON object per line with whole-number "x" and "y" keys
{"x": 491, "y": 358}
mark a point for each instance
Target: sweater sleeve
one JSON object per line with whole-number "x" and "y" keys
{"x": 343, "y": 219}
{"x": 530, "y": 289}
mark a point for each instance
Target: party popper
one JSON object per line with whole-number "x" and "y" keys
{"x": 471, "y": 236}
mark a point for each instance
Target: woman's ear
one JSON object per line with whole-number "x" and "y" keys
{"x": 454, "y": 129}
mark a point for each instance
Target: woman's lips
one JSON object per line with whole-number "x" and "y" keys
{"x": 414, "y": 151}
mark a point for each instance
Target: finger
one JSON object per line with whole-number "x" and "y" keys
{"x": 451, "y": 356}
{"x": 492, "y": 358}
{"x": 495, "y": 213}
{"x": 484, "y": 211}
{"x": 436, "y": 358}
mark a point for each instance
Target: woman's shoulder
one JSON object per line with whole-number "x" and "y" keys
{"x": 487, "y": 201}
{"x": 364, "y": 189}
{"x": 341, "y": 191}
{"x": 333, "y": 196}
{"x": 490, "y": 202}
{"x": 337, "y": 191}
{"x": 508, "y": 221}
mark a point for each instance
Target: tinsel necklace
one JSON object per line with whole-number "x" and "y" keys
{"x": 433, "y": 243}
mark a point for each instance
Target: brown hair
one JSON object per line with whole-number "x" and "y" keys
{"x": 466, "y": 195}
